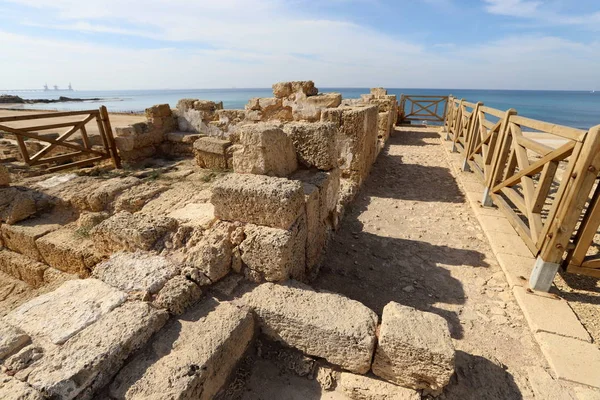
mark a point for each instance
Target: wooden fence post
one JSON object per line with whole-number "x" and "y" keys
{"x": 568, "y": 212}
{"x": 457, "y": 126}
{"x": 499, "y": 160}
{"x": 470, "y": 135}
{"x": 116, "y": 159}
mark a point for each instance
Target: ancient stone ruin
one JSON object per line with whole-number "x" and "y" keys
{"x": 155, "y": 281}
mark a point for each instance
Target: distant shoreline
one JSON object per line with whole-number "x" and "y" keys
{"x": 13, "y": 99}
{"x": 12, "y": 107}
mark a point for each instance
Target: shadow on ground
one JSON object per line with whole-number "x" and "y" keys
{"x": 376, "y": 268}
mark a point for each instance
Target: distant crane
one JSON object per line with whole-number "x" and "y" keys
{"x": 46, "y": 87}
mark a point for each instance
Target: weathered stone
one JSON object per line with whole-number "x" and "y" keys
{"x": 54, "y": 276}
{"x": 60, "y": 314}
{"x": 257, "y": 199}
{"x": 193, "y": 357}
{"x": 136, "y": 197}
{"x": 16, "y": 205}
{"x": 195, "y": 214}
{"x": 104, "y": 194}
{"x": 14, "y": 389}
{"x": 315, "y": 143}
{"x": 357, "y": 140}
{"x": 22, "y": 237}
{"x": 286, "y": 89}
{"x": 379, "y": 92}
{"x": 212, "y": 255}
{"x": 4, "y": 176}
{"x": 96, "y": 353}
{"x": 211, "y": 153}
{"x": 159, "y": 110}
{"x": 68, "y": 251}
{"x": 136, "y": 272}
{"x": 126, "y": 231}
{"x": 415, "y": 349}
{"x": 194, "y": 115}
{"x": 267, "y": 151}
{"x": 328, "y": 184}
{"x": 88, "y": 220}
{"x": 325, "y": 100}
{"x": 326, "y": 325}
{"x": 177, "y": 295}
{"x": 359, "y": 387}
{"x": 11, "y": 339}
{"x": 22, "y": 268}
{"x": 19, "y": 363}
{"x": 274, "y": 254}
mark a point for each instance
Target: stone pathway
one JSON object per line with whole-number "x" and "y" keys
{"x": 411, "y": 237}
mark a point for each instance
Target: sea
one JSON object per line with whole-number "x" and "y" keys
{"x": 578, "y": 109}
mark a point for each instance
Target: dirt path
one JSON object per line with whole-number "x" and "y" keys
{"x": 412, "y": 239}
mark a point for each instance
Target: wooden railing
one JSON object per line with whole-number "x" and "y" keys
{"x": 539, "y": 174}
{"x": 422, "y": 108}
{"x": 62, "y": 153}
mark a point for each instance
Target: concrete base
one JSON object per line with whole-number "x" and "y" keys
{"x": 454, "y": 149}
{"x": 486, "y": 200}
{"x": 466, "y": 167}
{"x": 542, "y": 275}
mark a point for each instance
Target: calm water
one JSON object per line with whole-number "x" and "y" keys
{"x": 576, "y": 109}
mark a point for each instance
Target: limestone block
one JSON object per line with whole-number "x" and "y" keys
{"x": 96, "y": 353}
{"x": 200, "y": 215}
{"x": 415, "y": 349}
{"x": 13, "y": 389}
{"x": 360, "y": 387}
{"x": 22, "y": 236}
{"x": 22, "y": 268}
{"x": 379, "y": 92}
{"x": 328, "y": 184}
{"x": 4, "y": 176}
{"x": 325, "y": 100}
{"x": 16, "y": 205}
{"x": 315, "y": 143}
{"x": 316, "y": 230}
{"x": 332, "y": 115}
{"x": 136, "y": 272}
{"x": 11, "y": 339}
{"x": 177, "y": 295}
{"x": 68, "y": 251}
{"x": 135, "y": 198}
{"x": 125, "y": 143}
{"x": 60, "y": 314}
{"x": 211, "y": 153}
{"x": 54, "y": 276}
{"x": 158, "y": 111}
{"x": 326, "y": 325}
{"x": 286, "y": 89}
{"x": 383, "y": 125}
{"x": 357, "y": 140}
{"x": 257, "y": 199}
{"x": 212, "y": 255}
{"x": 274, "y": 254}
{"x": 192, "y": 358}
{"x": 126, "y": 231}
{"x": 103, "y": 195}
{"x": 183, "y": 137}
{"x": 267, "y": 151}
{"x": 138, "y": 154}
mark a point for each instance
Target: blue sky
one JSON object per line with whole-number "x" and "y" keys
{"x": 135, "y": 44}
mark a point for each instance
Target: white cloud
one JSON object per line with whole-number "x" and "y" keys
{"x": 542, "y": 12}
{"x": 242, "y": 43}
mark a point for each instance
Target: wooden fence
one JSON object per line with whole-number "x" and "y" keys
{"x": 422, "y": 108}
{"x": 541, "y": 176}
{"x": 60, "y": 152}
